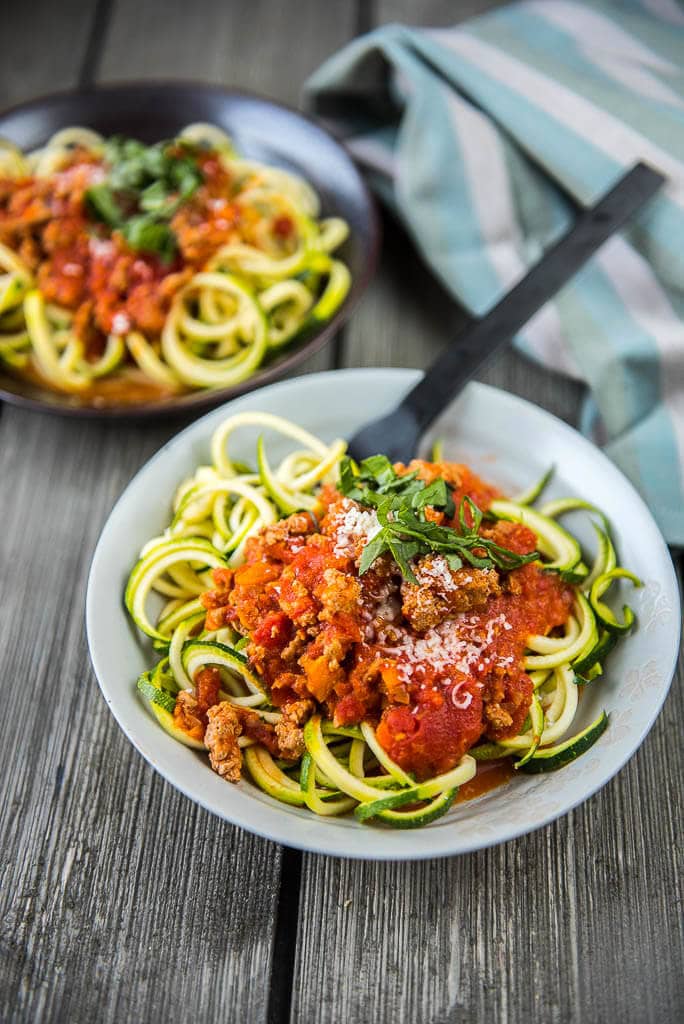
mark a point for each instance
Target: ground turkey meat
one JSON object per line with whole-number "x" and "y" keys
{"x": 224, "y": 725}
{"x": 188, "y": 715}
{"x": 288, "y": 729}
{"x": 441, "y": 592}
{"x": 507, "y": 702}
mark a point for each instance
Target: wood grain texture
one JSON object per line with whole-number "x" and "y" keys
{"x": 120, "y": 899}
{"x": 265, "y": 45}
{"x": 42, "y": 46}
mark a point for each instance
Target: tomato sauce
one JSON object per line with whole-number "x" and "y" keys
{"x": 435, "y": 666}
{"x": 490, "y": 775}
{"x": 130, "y": 387}
{"x": 88, "y": 269}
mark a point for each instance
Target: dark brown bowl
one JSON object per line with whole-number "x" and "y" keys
{"x": 262, "y": 130}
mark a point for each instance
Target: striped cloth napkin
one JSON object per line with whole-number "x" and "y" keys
{"x": 478, "y": 135}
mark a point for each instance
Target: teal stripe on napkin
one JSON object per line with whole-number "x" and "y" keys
{"x": 484, "y": 136}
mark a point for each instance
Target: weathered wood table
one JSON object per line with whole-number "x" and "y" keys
{"x": 122, "y": 901}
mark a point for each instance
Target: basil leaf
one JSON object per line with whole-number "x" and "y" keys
{"x": 405, "y": 520}
{"x": 149, "y": 235}
{"x": 506, "y": 559}
{"x": 408, "y": 484}
{"x": 103, "y": 204}
{"x": 185, "y": 175}
{"x": 477, "y": 561}
{"x": 156, "y": 161}
{"x": 347, "y": 475}
{"x": 128, "y": 175}
{"x": 365, "y": 497}
{"x": 377, "y": 468}
{"x": 402, "y": 552}
{"x": 475, "y": 515}
{"x": 375, "y": 547}
{"x": 154, "y": 198}
{"x": 435, "y": 494}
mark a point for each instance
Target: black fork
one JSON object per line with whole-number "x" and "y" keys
{"x": 398, "y": 433}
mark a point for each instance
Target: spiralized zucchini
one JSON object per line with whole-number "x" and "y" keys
{"x": 254, "y": 296}
{"x": 344, "y": 769}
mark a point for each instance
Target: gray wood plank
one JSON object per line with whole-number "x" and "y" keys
{"x": 42, "y": 47}
{"x": 118, "y": 895}
{"x": 266, "y": 46}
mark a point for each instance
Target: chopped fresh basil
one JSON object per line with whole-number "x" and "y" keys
{"x": 104, "y": 206}
{"x": 144, "y": 188}
{"x": 154, "y": 198}
{"x": 436, "y": 494}
{"x": 405, "y": 533}
{"x": 373, "y": 549}
{"x": 149, "y": 235}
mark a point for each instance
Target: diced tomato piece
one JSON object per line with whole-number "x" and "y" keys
{"x": 274, "y": 632}
{"x": 429, "y": 740}
{"x": 283, "y": 226}
{"x": 349, "y": 711}
{"x": 207, "y": 686}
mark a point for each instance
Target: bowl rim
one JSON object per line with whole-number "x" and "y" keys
{"x": 382, "y": 850}
{"x": 204, "y": 400}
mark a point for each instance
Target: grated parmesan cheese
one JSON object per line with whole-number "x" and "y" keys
{"x": 445, "y": 647}
{"x": 120, "y": 323}
{"x": 440, "y": 647}
{"x": 354, "y": 528}
{"x": 493, "y": 627}
{"x": 460, "y": 699}
{"x": 101, "y": 247}
{"x": 436, "y": 571}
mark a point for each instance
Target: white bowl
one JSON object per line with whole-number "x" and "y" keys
{"x": 510, "y": 442}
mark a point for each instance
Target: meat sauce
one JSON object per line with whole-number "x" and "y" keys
{"x": 79, "y": 264}
{"x": 435, "y": 666}
{"x": 82, "y": 266}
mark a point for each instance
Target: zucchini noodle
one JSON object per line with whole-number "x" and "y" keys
{"x": 345, "y": 768}
{"x": 272, "y": 280}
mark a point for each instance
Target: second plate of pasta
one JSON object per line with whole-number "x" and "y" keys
{"x": 149, "y": 264}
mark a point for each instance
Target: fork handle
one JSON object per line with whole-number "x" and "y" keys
{"x": 478, "y": 342}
